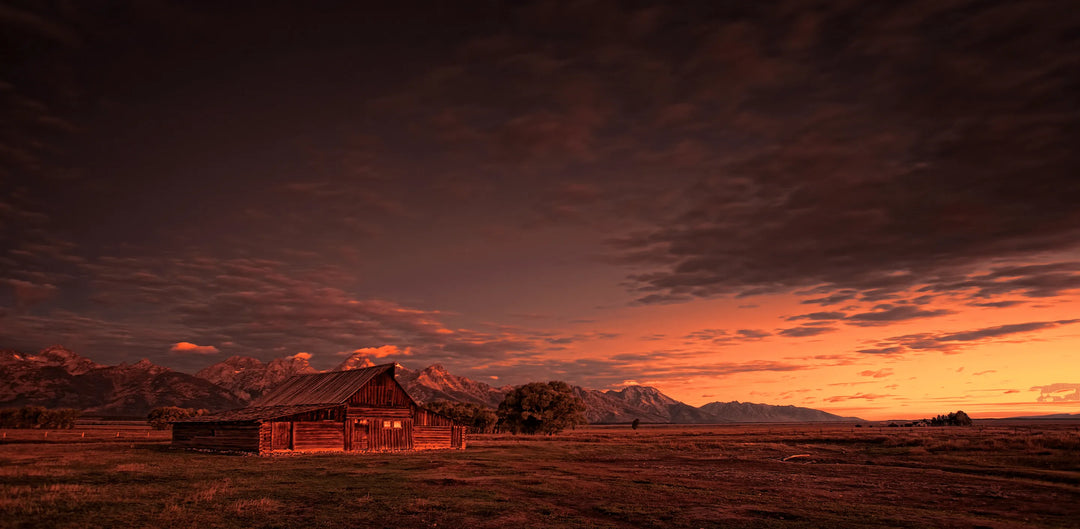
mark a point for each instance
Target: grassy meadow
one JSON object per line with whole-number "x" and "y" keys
{"x": 998, "y": 475}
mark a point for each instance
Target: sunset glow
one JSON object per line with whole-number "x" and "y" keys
{"x": 872, "y": 211}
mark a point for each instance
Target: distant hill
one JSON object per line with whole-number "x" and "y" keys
{"x": 1050, "y": 416}
{"x": 736, "y": 411}
{"x": 57, "y": 377}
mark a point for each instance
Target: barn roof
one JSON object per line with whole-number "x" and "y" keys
{"x": 253, "y": 413}
{"x": 321, "y": 388}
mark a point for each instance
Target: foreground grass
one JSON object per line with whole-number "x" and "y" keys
{"x": 730, "y": 476}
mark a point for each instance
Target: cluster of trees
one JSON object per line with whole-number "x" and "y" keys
{"x": 479, "y": 419}
{"x": 538, "y": 407}
{"x": 159, "y": 417}
{"x": 958, "y": 418}
{"x": 541, "y": 408}
{"x": 38, "y": 417}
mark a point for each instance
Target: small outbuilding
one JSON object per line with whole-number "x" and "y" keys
{"x": 362, "y": 410}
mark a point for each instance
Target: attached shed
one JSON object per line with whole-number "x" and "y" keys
{"x": 363, "y": 410}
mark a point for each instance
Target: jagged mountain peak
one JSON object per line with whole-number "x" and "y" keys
{"x": 248, "y": 378}
{"x": 436, "y": 368}
{"x": 56, "y": 377}
{"x": 354, "y": 361}
{"x": 243, "y": 362}
{"x": 59, "y": 356}
{"x": 58, "y": 351}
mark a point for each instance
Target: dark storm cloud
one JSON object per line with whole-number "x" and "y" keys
{"x": 176, "y": 173}
{"x": 818, "y": 316}
{"x": 723, "y": 337}
{"x": 999, "y": 304}
{"x": 806, "y": 330}
{"x": 885, "y": 147}
{"x": 887, "y": 314}
{"x": 953, "y": 341}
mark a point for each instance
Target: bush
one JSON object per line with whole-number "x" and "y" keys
{"x": 159, "y": 418}
{"x": 478, "y": 418}
{"x": 541, "y": 408}
{"x": 38, "y": 417}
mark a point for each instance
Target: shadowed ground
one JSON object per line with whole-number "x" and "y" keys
{"x": 1006, "y": 475}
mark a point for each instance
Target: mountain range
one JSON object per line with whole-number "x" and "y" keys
{"x": 59, "y": 378}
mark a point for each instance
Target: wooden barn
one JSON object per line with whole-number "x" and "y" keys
{"x": 362, "y": 410}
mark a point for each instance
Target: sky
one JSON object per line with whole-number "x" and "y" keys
{"x": 870, "y": 208}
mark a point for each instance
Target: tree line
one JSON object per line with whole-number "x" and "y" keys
{"x": 38, "y": 417}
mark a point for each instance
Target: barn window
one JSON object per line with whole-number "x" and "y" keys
{"x": 397, "y": 424}
{"x": 386, "y": 424}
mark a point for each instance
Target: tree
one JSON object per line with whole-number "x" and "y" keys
{"x": 159, "y": 418}
{"x": 959, "y": 418}
{"x": 541, "y": 408}
{"x": 635, "y": 424}
{"x": 479, "y": 419}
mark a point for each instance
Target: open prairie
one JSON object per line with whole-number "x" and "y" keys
{"x": 994, "y": 475}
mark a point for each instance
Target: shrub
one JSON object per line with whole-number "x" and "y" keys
{"x": 159, "y": 418}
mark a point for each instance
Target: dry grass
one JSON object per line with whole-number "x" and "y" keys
{"x": 724, "y": 476}
{"x": 256, "y": 506}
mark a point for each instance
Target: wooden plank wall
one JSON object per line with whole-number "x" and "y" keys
{"x": 265, "y": 436}
{"x": 381, "y": 391}
{"x": 457, "y": 437}
{"x": 430, "y": 418}
{"x": 217, "y": 436}
{"x": 361, "y": 412}
{"x": 382, "y": 438}
{"x": 431, "y": 437}
{"x": 336, "y": 413}
{"x": 323, "y": 435}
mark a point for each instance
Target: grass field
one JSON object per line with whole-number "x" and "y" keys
{"x": 659, "y": 476}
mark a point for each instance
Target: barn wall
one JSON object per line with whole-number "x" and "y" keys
{"x": 430, "y": 418}
{"x": 458, "y": 437}
{"x": 217, "y": 436}
{"x": 381, "y": 391}
{"x": 336, "y": 413}
{"x": 264, "y": 437}
{"x": 368, "y": 411}
{"x": 323, "y": 435}
{"x": 431, "y": 437}
{"x": 383, "y": 436}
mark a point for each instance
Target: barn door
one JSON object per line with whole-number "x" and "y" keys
{"x": 281, "y": 436}
{"x": 359, "y": 439}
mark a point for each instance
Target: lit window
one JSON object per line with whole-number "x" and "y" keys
{"x": 386, "y": 424}
{"x": 397, "y": 424}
